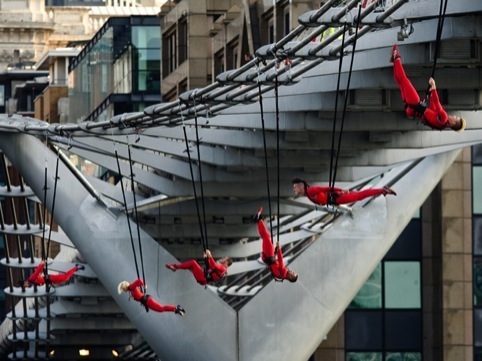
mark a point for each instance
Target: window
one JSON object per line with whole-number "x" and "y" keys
{"x": 477, "y": 191}
{"x": 384, "y": 319}
{"x": 183, "y": 40}
{"x": 169, "y": 55}
{"x": 232, "y": 55}
{"x": 271, "y": 38}
{"x": 478, "y": 327}
{"x": 364, "y": 331}
{"x": 364, "y": 356}
{"x": 219, "y": 63}
{"x": 370, "y": 295}
{"x": 402, "y": 285}
{"x": 477, "y": 248}
{"x": 286, "y": 21}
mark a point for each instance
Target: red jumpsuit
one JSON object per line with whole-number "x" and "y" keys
{"x": 38, "y": 279}
{"x": 274, "y": 262}
{"x": 147, "y": 301}
{"x": 215, "y": 271}
{"x": 434, "y": 116}
{"x": 319, "y": 195}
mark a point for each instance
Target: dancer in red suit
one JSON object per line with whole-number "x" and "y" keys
{"x": 146, "y": 300}
{"x": 215, "y": 271}
{"x": 432, "y": 115}
{"x": 271, "y": 256}
{"x": 39, "y": 279}
{"x": 328, "y": 195}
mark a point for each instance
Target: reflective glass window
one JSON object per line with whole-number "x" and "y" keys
{"x": 363, "y": 356}
{"x": 403, "y": 356}
{"x": 478, "y": 354}
{"x": 403, "y": 330}
{"x": 477, "y": 154}
{"x": 477, "y": 191}
{"x": 408, "y": 244}
{"x": 370, "y": 295}
{"x": 363, "y": 330}
{"x": 402, "y": 285}
{"x": 478, "y": 327}
{"x": 477, "y": 281}
{"x": 477, "y": 224}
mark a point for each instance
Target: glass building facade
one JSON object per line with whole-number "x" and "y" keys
{"x": 118, "y": 71}
{"x": 477, "y": 248}
{"x": 384, "y": 320}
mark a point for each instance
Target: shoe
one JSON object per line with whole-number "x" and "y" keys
{"x": 258, "y": 215}
{"x": 180, "y": 311}
{"x": 394, "y": 54}
{"x": 80, "y": 267}
{"x": 388, "y": 190}
{"x": 171, "y": 266}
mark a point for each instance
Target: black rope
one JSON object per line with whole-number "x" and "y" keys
{"x": 126, "y": 210}
{"x": 206, "y": 246}
{"x": 44, "y": 257}
{"x": 265, "y": 153}
{"x": 440, "y": 24}
{"x": 193, "y": 185}
{"x": 136, "y": 214}
{"x": 53, "y": 201}
{"x": 276, "y": 93}
{"x": 346, "y": 97}
{"x": 340, "y": 64}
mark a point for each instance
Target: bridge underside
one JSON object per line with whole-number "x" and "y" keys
{"x": 333, "y": 255}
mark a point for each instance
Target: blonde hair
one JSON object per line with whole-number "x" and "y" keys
{"x": 463, "y": 124}
{"x": 122, "y": 287}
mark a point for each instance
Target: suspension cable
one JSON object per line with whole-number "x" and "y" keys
{"x": 340, "y": 64}
{"x": 206, "y": 246}
{"x": 346, "y": 96}
{"x": 119, "y": 171}
{"x": 192, "y": 178}
{"x": 135, "y": 212}
{"x": 53, "y": 201}
{"x": 440, "y": 24}
{"x": 265, "y": 152}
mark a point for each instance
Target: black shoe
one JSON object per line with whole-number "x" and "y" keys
{"x": 258, "y": 215}
{"x": 180, "y": 311}
{"x": 80, "y": 267}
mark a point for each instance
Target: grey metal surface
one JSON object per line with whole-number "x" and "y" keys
{"x": 331, "y": 271}
{"x": 102, "y": 238}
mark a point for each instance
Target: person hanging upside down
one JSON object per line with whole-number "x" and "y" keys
{"x": 215, "y": 271}
{"x": 272, "y": 256}
{"x": 39, "y": 279}
{"x": 432, "y": 115}
{"x": 335, "y": 196}
{"x": 135, "y": 289}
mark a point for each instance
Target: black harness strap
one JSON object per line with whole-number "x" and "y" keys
{"x": 143, "y": 301}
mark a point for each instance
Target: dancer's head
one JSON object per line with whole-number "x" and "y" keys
{"x": 299, "y": 186}
{"x": 226, "y": 261}
{"x": 291, "y": 276}
{"x": 123, "y": 287}
{"x": 457, "y": 123}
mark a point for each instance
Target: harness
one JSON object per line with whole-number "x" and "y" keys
{"x": 418, "y": 109}
{"x": 268, "y": 261}
{"x": 332, "y": 197}
{"x": 208, "y": 273}
{"x": 143, "y": 301}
